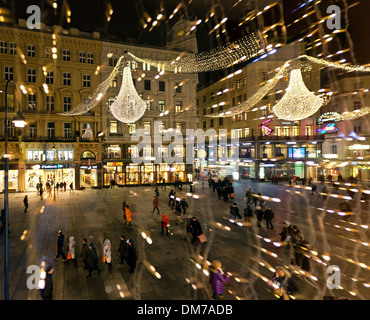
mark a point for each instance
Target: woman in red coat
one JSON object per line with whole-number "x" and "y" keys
{"x": 165, "y": 223}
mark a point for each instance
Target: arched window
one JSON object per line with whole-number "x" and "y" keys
{"x": 88, "y": 155}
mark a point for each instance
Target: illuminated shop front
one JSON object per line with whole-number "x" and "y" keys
{"x": 147, "y": 173}
{"x": 132, "y": 174}
{"x": 115, "y": 171}
{"x": 44, "y": 173}
{"x": 178, "y": 171}
{"x": 88, "y": 176}
{"x": 12, "y": 178}
{"x": 360, "y": 170}
{"x": 163, "y": 170}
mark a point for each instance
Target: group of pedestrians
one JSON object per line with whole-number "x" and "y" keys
{"x": 90, "y": 259}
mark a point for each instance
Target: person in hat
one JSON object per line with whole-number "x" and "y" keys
{"x": 47, "y": 290}
{"x": 92, "y": 260}
{"x": 60, "y": 251}
{"x": 297, "y": 236}
{"x": 217, "y": 279}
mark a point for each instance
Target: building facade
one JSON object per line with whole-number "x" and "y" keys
{"x": 55, "y": 69}
{"x": 267, "y": 146}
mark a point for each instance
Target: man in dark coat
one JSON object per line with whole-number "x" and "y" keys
{"x": 47, "y": 291}
{"x": 60, "y": 251}
{"x": 184, "y": 206}
{"x": 122, "y": 248}
{"x": 131, "y": 255}
{"x": 196, "y": 229}
{"x": 268, "y": 215}
{"x": 84, "y": 252}
{"x": 92, "y": 260}
{"x": 301, "y": 256}
{"x": 234, "y": 212}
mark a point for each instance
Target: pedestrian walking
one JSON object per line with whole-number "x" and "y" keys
{"x": 196, "y": 229}
{"x": 107, "y": 252}
{"x": 248, "y": 214}
{"x": 283, "y": 284}
{"x": 47, "y": 291}
{"x": 84, "y": 252}
{"x": 234, "y": 212}
{"x": 71, "y": 250}
{"x": 156, "y": 192}
{"x": 65, "y": 186}
{"x": 268, "y": 216}
{"x": 259, "y": 214}
{"x": 71, "y": 188}
{"x": 165, "y": 223}
{"x": 155, "y": 204}
{"x": 127, "y": 216}
{"x": 178, "y": 208}
{"x": 297, "y": 236}
{"x": 41, "y": 192}
{"x": 60, "y": 244}
{"x": 131, "y": 255}
{"x": 325, "y": 192}
{"x": 301, "y": 256}
{"x": 2, "y": 219}
{"x": 187, "y": 227}
{"x": 314, "y": 188}
{"x": 171, "y": 197}
{"x": 122, "y": 249}
{"x": 217, "y": 279}
{"x": 92, "y": 260}
{"x": 184, "y": 205}
{"x": 285, "y": 234}
{"x": 25, "y": 203}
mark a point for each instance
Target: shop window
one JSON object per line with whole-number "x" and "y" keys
{"x": 114, "y": 151}
{"x": 35, "y": 155}
{"x": 133, "y": 152}
{"x": 131, "y": 128}
{"x": 65, "y": 155}
{"x": 50, "y": 155}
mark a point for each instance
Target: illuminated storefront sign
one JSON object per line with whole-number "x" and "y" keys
{"x": 329, "y": 117}
{"x": 329, "y": 128}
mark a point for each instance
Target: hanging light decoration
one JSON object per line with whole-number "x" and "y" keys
{"x": 128, "y": 107}
{"x": 216, "y": 59}
{"x": 96, "y": 97}
{"x": 298, "y": 102}
{"x": 250, "y": 103}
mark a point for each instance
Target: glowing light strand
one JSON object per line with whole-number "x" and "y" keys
{"x": 216, "y": 59}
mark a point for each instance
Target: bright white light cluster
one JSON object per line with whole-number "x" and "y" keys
{"x": 298, "y": 102}
{"x": 216, "y": 59}
{"x": 129, "y": 107}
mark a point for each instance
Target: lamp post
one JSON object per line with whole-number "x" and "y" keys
{"x": 19, "y": 122}
{"x": 55, "y": 178}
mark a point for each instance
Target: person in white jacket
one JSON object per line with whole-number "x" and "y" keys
{"x": 72, "y": 250}
{"x": 107, "y": 252}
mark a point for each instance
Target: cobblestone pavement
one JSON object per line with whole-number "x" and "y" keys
{"x": 247, "y": 253}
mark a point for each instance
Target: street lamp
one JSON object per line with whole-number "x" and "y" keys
{"x": 19, "y": 121}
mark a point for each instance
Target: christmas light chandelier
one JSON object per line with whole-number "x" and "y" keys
{"x": 298, "y": 102}
{"x": 129, "y": 107}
